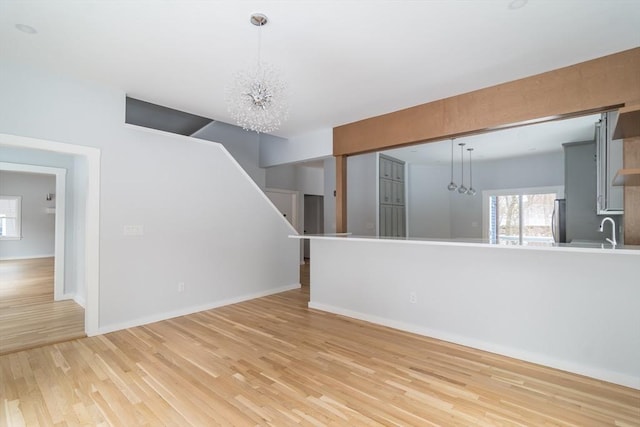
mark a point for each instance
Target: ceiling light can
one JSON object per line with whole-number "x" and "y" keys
{"x": 517, "y": 4}
{"x": 28, "y": 29}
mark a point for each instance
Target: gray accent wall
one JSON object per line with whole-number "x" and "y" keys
{"x": 536, "y": 170}
{"x": 433, "y": 211}
{"x": 429, "y": 211}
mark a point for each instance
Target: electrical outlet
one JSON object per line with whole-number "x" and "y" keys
{"x": 413, "y": 297}
{"x": 181, "y": 287}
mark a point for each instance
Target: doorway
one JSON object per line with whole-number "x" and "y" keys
{"x": 313, "y": 219}
{"x": 89, "y": 237}
{"x": 58, "y": 203}
{"x": 37, "y": 305}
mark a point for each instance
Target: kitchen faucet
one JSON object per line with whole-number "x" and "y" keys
{"x": 613, "y": 230}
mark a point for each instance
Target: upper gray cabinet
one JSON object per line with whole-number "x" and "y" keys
{"x": 398, "y": 171}
{"x": 609, "y": 156}
{"x": 386, "y": 168}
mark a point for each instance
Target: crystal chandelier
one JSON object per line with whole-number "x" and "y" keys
{"x": 257, "y": 97}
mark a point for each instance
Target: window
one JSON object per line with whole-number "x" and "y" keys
{"x": 10, "y": 224}
{"x": 520, "y": 216}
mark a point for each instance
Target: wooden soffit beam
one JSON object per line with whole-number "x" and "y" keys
{"x": 590, "y": 86}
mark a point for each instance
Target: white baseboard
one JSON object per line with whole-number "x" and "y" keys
{"x": 80, "y": 300}
{"x": 190, "y": 310}
{"x": 18, "y": 258}
{"x": 540, "y": 359}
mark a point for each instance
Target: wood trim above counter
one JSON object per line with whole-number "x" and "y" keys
{"x": 586, "y": 87}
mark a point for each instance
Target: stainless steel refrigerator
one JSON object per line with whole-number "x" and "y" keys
{"x": 559, "y": 221}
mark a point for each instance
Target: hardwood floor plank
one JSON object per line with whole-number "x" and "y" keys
{"x": 273, "y": 361}
{"x": 29, "y": 316}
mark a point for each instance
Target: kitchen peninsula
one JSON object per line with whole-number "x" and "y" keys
{"x": 569, "y": 307}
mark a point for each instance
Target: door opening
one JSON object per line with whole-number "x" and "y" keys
{"x": 313, "y": 219}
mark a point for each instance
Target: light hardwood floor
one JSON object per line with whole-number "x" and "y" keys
{"x": 273, "y": 361}
{"x": 29, "y": 317}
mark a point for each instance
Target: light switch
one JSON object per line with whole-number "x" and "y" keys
{"x": 133, "y": 230}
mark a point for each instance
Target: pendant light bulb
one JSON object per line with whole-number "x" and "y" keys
{"x": 452, "y": 185}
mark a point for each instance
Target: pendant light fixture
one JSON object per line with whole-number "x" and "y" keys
{"x": 257, "y": 97}
{"x": 452, "y": 185}
{"x": 471, "y": 191}
{"x": 462, "y": 189}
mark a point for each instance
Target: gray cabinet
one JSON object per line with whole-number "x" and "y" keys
{"x": 397, "y": 193}
{"x": 392, "y": 221}
{"x": 609, "y": 199}
{"x": 386, "y": 191}
{"x": 398, "y": 171}
{"x": 386, "y": 167}
{"x": 392, "y": 212}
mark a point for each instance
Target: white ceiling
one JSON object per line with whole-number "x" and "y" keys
{"x": 514, "y": 142}
{"x": 345, "y": 60}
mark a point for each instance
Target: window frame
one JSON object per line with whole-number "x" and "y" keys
{"x": 18, "y": 217}
{"x": 486, "y": 194}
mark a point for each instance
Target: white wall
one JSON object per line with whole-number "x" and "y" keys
{"x": 38, "y": 226}
{"x": 204, "y": 220}
{"x": 308, "y": 146}
{"x": 311, "y": 180}
{"x": 74, "y": 202}
{"x": 75, "y": 249}
{"x": 306, "y": 179}
{"x": 283, "y": 177}
{"x": 569, "y": 309}
{"x": 361, "y": 194}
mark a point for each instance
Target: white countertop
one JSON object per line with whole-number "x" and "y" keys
{"x": 591, "y": 247}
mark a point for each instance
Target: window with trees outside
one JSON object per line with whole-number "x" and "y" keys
{"x": 10, "y": 226}
{"x": 520, "y": 216}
